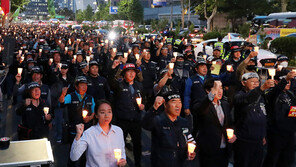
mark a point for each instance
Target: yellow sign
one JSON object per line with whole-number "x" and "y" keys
{"x": 285, "y": 32}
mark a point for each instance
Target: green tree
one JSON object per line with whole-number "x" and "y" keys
{"x": 79, "y": 15}
{"x": 88, "y": 13}
{"x": 136, "y": 11}
{"x": 124, "y": 9}
{"x": 67, "y": 13}
{"x": 18, "y": 3}
{"x": 207, "y": 8}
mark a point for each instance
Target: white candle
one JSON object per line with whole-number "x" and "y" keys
{"x": 205, "y": 57}
{"x": 40, "y": 50}
{"x": 106, "y": 41}
{"x": 46, "y": 110}
{"x": 22, "y": 58}
{"x": 90, "y": 48}
{"x": 272, "y": 72}
{"x": 84, "y": 113}
{"x": 125, "y": 55}
{"x": 60, "y": 66}
{"x": 228, "y": 67}
{"x": 66, "y": 49}
{"x": 19, "y": 71}
{"x": 87, "y": 59}
{"x": 139, "y": 101}
{"x": 175, "y": 54}
{"x": 256, "y": 49}
{"x": 137, "y": 56}
{"x": 117, "y": 154}
{"x": 75, "y": 56}
{"x": 214, "y": 62}
{"x": 191, "y": 147}
{"x": 129, "y": 51}
{"x": 171, "y": 65}
{"x": 229, "y": 133}
{"x": 20, "y": 52}
{"x": 112, "y": 42}
{"x": 114, "y": 49}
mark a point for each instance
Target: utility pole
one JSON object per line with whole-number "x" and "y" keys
{"x": 188, "y": 12}
{"x": 171, "y": 17}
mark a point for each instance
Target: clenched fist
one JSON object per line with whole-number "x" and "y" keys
{"x": 158, "y": 102}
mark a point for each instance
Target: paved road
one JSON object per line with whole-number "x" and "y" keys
{"x": 8, "y": 125}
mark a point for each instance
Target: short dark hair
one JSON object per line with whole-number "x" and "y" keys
{"x": 209, "y": 83}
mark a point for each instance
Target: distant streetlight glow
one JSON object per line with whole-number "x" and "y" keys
{"x": 112, "y": 35}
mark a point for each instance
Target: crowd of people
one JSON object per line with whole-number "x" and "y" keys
{"x": 93, "y": 91}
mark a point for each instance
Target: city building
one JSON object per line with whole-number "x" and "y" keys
{"x": 165, "y": 13}
{"x": 82, "y": 4}
{"x": 66, "y": 4}
{"x": 36, "y": 9}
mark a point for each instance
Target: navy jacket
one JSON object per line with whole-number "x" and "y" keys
{"x": 169, "y": 139}
{"x": 250, "y": 115}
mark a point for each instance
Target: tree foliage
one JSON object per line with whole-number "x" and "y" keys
{"x": 18, "y": 3}
{"x": 67, "y": 13}
{"x": 127, "y": 10}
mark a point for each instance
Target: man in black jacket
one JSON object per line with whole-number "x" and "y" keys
{"x": 213, "y": 116}
{"x": 127, "y": 111}
{"x": 170, "y": 132}
{"x": 98, "y": 86}
{"x": 250, "y": 121}
{"x": 281, "y": 123}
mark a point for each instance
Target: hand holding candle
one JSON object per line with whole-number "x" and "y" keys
{"x": 117, "y": 154}
{"x": 229, "y": 67}
{"x": 191, "y": 147}
{"x": 229, "y": 133}
{"x": 256, "y": 49}
{"x": 125, "y": 55}
{"x": 137, "y": 56}
{"x": 19, "y": 71}
{"x": 205, "y": 57}
{"x": 171, "y": 65}
{"x": 87, "y": 59}
{"x": 46, "y": 110}
{"x": 175, "y": 54}
{"x": 272, "y": 73}
{"x": 139, "y": 101}
{"x": 84, "y": 113}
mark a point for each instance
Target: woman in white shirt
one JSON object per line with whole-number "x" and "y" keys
{"x": 100, "y": 140}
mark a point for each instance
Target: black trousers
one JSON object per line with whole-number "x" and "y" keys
{"x": 248, "y": 154}
{"x": 280, "y": 150}
{"x": 220, "y": 159}
{"x": 133, "y": 128}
